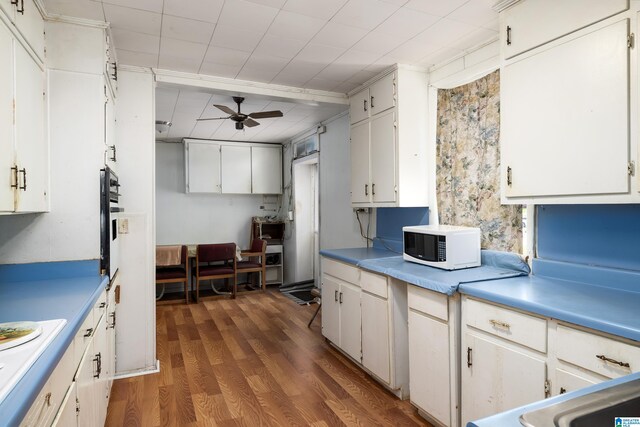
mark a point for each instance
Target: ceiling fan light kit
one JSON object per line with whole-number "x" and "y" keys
{"x": 242, "y": 119}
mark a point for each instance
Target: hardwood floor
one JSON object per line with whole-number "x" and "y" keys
{"x": 251, "y": 361}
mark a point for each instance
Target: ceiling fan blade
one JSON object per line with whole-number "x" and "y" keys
{"x": 225, "y": 109}
{"x": 251, "y": 123}
{"x": 265, "y": 114}
{"x": 213, "y": 118}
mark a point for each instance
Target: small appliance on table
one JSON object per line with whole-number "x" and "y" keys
{"x": 21, "y": 344}
{"x": 448, "y": 247}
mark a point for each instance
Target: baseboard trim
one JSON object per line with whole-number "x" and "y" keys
{"x": 137, "y": 373}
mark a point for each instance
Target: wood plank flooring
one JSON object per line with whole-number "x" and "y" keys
{"x": 251, "y": 361}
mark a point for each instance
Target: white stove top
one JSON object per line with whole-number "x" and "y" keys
{"x": 16, "y": 361}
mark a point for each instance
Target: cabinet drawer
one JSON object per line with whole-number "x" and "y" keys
{"x": 374, "y": 284}
{"x": 45, "y": 407}
{"x": 341, "y": 271}
{"x": 596, "y": 353}
{"x": 99, "y": 308}
{"x": 428, "y": 302}
{"x": 523, "y": 21}
{"x": 510, "y": 325}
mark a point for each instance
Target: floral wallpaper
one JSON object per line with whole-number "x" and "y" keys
{"x": 468, "y": 164}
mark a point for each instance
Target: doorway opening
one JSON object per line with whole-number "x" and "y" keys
{"x": 306, "y": 219}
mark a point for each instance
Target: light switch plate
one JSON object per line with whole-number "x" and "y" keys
{"x": 123, "y": 226}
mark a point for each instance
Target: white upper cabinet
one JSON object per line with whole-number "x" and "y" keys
{"x": 565, "y": 102}
{"x": 203, "y": 167}
{"x": 532, "y": 23}
{"x": 233, "y": 168}
{"x": 266, "y": 170}
{"x": 236, "y": 169}
{"x": 26, "y": 17}
{"x": 389, "y": 141}
{"x": 8, "y": 176}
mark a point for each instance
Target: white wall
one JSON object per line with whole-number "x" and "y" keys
{"x": 71, "y": 230}
{"x": 183, "y": 218}
{"x": 135, "y": 136}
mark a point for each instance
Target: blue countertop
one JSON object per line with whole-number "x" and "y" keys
{"x": 511, "y": 418}
{"x": 356, "y": 255}
{"x": 608, "y": 309}
{"x": 43, "y": 291}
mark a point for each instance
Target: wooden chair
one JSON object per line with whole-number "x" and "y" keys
{"x": 174, "y": 274}
{"x": 215, "y": 261}
{"x": 257, "y": 262}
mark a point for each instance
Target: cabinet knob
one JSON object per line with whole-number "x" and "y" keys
{"x": 372, "y": 106}
{"x": 373, "y": 189}
{"x": 23, "y": 171}
{"x": 336, "y": 296}
{"x": 14, "y": 169}
{"x": 365, "y": 105}
{"x": 508, "y": 35}
{"x": 366, "y": 189}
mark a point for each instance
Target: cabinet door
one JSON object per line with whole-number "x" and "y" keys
{"x": 330, "y": 309}
{"x": 85, "y": 389}
{"x": 203, "y": 167}
{"x": 523, "y": 21}
{"x": 429, "y": 366}
{"x": 375, "y": 336}
{"x": 110, "y": 358}
{"x": 350, "y": 320}
{"x": 7, "y": 159}
{"x": 236, "y": 170}
{"x": 31, "y": 146}
{"x": 110, "y": 130}
{"x": 383, "y": 157}
{"x": 382, "y": 94}
{"x": 67, "y": 415}
{"x": 101, "y": 380}
{"x": 359, "y": 106}
{"x": 496, "y": 378}
{"x": 266, "y": 170}
{"x": 565, "y": 132}
{"x": 566, "y": 382}
{"x": 360, "y": 187}
{"x": 31, "y": 25}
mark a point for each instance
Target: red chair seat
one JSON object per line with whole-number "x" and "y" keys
{"x": 215, "y": 270}
{"x": 241, "y": 265}
{"x": 171, "y": 273}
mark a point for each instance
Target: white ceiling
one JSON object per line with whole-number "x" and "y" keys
{"x": 332, "y": 45}
{"x": 183, "y": 105}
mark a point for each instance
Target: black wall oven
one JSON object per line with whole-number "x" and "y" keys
{"x": 109, "y": 216}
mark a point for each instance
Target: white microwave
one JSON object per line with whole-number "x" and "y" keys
{"x": 448, "y": 247}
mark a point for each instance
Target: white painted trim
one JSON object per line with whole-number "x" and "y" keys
{"x": 135, "y": 69}
{"x": 501, "y": 5}
{"x": 246, "y": 86}
{"x": 311, "y": 159}
{"x": 139, "y": 372}
{"x": 313, "y": 130}
{"x": 390, "y": 69}
{"x": 458, "y": 71}
{"x": 76, "y": 21}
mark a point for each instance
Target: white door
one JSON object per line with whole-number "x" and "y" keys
{"x": 350, "y": 320}
{"x": 236, "y": 169}
{"x": 101, "y": 380}
{"x": 360, "y": 187}
{"x": 266, "y": 170}
{"x": 496, "y": 378}
{"x": 567, "y": 381}
{"x": 31, "y": 145}
{"x": 330, "y": 309}
{"x": 203, "y": 167}
{"x": 7, "y": 159}
{"x": 85, "y": 388}
{"x": 375, "y": 336}
{"x": 359, "y": 106}
{"x": 383, "y": 158}
{"x": 429, "y": 366}
{"x": 31, "y": 25}
{"x": 67, "y": 415}
{"x": 566, "y": 130}
{"x": 382, "y": 94}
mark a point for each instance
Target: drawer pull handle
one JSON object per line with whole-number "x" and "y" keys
{"x": 612, "y": 361}
{"x": 499, "y": 324}
{"x": 47, "y": 399}
{"x": 103, "y": 305}
{"x": 563, "y": 390}
{"x": 335, "y": 295}
{"x": 340, "y": 297}
{"x": 469, "y": 362}
{"x": 88, "y": 332}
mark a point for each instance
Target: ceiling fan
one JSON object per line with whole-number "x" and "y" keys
{"x": 242, "y": 119}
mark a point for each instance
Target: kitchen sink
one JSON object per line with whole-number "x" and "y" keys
{"x": 599, "y": 408}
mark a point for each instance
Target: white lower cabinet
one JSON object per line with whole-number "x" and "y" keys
{"x": 434, "y": 321}
{"x": 77, "y": 392}
{"x": 385, "y": 352}
{"x": 365, "y": 316}
{"x": 510, "y": 358}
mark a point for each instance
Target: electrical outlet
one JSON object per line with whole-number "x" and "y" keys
{"x": 123, "y": 226}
